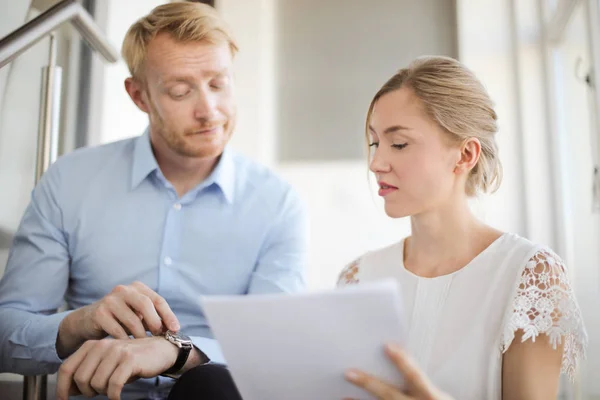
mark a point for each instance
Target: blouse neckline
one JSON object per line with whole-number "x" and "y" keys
{"x": 469, "y": 265}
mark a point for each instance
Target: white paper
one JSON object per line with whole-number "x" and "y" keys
{"x": 297, "y": 347}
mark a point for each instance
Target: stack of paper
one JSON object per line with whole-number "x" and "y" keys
{"x": 297, "y": 347}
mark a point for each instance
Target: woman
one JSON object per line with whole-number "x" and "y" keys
{"x": 490, "y": 314}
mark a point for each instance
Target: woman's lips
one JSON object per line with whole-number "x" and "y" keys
{"x": 386, "y": 188}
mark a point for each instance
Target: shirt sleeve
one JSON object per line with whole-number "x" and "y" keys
{"x": 349, "y": 274}
{"x": 544, "y": 304}
{"x": 33, "y": 286}
{"x": 211, "y": 348}
{"x": 280, "y": 268}
{"x": 282, "y": 261}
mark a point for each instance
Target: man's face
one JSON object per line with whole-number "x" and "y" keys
{"x": 188, "y": 94}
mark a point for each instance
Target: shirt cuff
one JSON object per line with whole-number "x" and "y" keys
{"x": 37, "y": 341}
{"x": 211, "y": 348}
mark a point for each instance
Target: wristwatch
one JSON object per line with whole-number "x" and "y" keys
{"x": 185, "y": 347}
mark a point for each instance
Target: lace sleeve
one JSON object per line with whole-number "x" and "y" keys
{"x": 545, "y": 304}
{"x": 348, "y": 276}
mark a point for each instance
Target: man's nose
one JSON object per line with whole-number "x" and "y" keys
{"x": 205, "y": 107}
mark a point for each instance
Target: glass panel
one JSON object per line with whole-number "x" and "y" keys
{"x": 572, "y": 64}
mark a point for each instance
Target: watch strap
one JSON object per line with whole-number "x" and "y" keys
{"x": 182, "y": 357}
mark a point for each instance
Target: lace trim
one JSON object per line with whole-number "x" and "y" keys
{"x": 545, "y": 304}
{"x": 348, "y": 274}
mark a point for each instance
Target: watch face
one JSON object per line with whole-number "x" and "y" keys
{"x": 178, "y": 338}
{"x": 185, "y": 338}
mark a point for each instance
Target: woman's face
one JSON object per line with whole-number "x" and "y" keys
{"x": 412, "y": 156}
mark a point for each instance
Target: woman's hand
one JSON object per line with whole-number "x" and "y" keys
{"x": 416, "y": 384}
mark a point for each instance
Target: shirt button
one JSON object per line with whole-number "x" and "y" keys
{"x": 168, "y": 260}
{"x": 177, "y": 206}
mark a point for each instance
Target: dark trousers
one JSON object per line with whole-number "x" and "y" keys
{"x": 205, "y": 382}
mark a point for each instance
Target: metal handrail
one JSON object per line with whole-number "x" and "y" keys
{"x": 16, "y": 42}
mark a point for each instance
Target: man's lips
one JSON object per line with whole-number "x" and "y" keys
{"x": 204, "y": 131}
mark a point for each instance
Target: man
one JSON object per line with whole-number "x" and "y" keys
{"x": 132, "y": 233}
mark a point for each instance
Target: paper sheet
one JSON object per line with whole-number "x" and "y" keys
{"x": 297, "y": 347}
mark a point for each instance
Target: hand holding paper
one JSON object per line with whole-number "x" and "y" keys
{"x": 417, "y": 385}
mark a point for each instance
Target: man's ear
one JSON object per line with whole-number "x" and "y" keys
{"x": 136, "y": 89}
{"x": 469, "y": 155}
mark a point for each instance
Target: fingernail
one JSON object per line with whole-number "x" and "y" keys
{"x": 394, "y": 348}
{"x": 351, "y": 375}
{"x": 176, "y": 327}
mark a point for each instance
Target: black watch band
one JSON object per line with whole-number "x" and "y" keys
{"x": 184, "y": 353}
{"x": 185, "y": 347}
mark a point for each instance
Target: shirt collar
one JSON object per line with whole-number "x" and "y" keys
{"x": 224, "y": 175}
{"x": 144, "y": 163}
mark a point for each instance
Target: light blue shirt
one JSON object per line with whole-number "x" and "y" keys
{"x": 106, "y": 216}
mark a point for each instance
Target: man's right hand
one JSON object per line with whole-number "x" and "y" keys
{"x": 126, "y": 310}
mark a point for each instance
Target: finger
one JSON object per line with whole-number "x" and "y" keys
{"x": 375, "y": 386}
{"x": 145, "y": 310}
{"x": 413, "y": 376}
{"x": 126, "y": 317}
{"x": 64, "y": 382}
{"x": 107, "y": 322}
{"x": 109, "y": 364}
{"x": 154, "y": 329}
{"x": 118, "y": 379}
{"x": 88, "y": 366}
{"x": 162, "y": 307}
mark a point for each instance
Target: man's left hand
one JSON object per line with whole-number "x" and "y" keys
{"x": 105, "y": 366}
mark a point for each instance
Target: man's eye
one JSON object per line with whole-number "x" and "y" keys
{"x": 179, "y": 95}
{"x": 179, "y": 91}
{"x": 219, "y": 84}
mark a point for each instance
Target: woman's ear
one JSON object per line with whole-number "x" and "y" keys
{"x": 470, "y": 151}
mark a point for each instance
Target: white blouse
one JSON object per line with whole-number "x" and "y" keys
{"x": 460, "y": 324}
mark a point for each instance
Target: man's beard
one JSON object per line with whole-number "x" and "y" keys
{"x": 211, "y": 147}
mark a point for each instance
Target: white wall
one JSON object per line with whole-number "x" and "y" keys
{"x": 490, "y": 56}
{"x": 253, "y": 24}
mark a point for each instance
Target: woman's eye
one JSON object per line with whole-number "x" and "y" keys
{"x": 399, "y": 146}
{"x": 374, "y": 144}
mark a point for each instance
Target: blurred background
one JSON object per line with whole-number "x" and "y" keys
{"x": 306, "y": 72}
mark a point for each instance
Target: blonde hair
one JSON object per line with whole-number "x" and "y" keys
{"x": 184, "y": 21}
{"x": 455, "y": 99}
